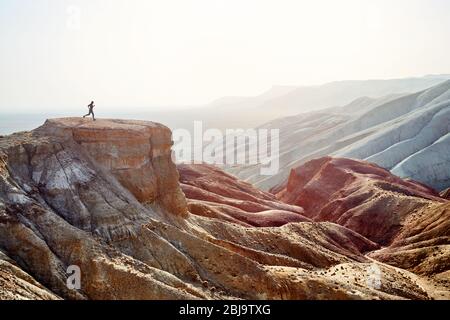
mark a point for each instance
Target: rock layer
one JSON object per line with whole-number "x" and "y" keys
{"x": 16, "y": 284}
{"x": 136, "y": 152}
{"x": 359, "y": 195}
{"x": 215, "y": 194}
{"x": 409, "y": 219}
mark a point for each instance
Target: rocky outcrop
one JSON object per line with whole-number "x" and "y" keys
{"x": 137, "y": 153}
{"x": 423, "y": 244}
{"x": 445, "y": 194}
{"x": 423, "y": 247}
{"x": 409, "y": 219}
{"x": 216, "y": 194}
{"x": 359, "y": 195}
{"x": 16, "y": 284}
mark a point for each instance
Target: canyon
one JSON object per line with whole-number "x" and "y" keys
{"x": 107, "y": 197}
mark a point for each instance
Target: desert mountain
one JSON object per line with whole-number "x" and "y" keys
{"x": 407, "y": 134}
{"x": 105, "y": 196}
{"x": 408, "y": 219}
{"x": 281, "y": 101}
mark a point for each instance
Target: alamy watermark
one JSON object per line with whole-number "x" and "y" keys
{"x": 73, "y": 21}
{"x": 229, "y": 147}
{"x": 73, "y": 281}
{"x": 374, "y": 275}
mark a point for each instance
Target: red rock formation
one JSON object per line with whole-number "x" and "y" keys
{"x": 136, "y": 152}
{"x": 216, "y": 194}
{"x": 359, "y": 195}
{"x": 445, "y": 194}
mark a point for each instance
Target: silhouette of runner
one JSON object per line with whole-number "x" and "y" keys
{"x": 91, "y": 110}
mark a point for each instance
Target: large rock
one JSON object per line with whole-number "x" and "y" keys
{"x": 137, "y": 153}
{"x": 423, "y": 244}
{"x": 17, "y": 284}
{"x": 445, "y": 194}
{"x": 407, "y": 218}
{"x": 359, "y": 195}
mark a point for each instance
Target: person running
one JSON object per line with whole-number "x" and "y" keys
{"x": 91, "y": 110}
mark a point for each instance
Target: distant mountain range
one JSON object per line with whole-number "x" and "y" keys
{"x": 282, "y": 101}
{"x": 405, "y": 133}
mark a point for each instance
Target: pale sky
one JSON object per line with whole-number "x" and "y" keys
{"x": 62, "y": 54}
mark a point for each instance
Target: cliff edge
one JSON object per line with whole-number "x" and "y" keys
{"x": 136, "y": 152}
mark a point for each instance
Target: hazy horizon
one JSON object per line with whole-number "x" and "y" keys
{"x": 162, "y": 108}
{"x": 173, "y": 54}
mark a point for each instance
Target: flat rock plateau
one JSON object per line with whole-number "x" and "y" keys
{"x": 106, "y": 196}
